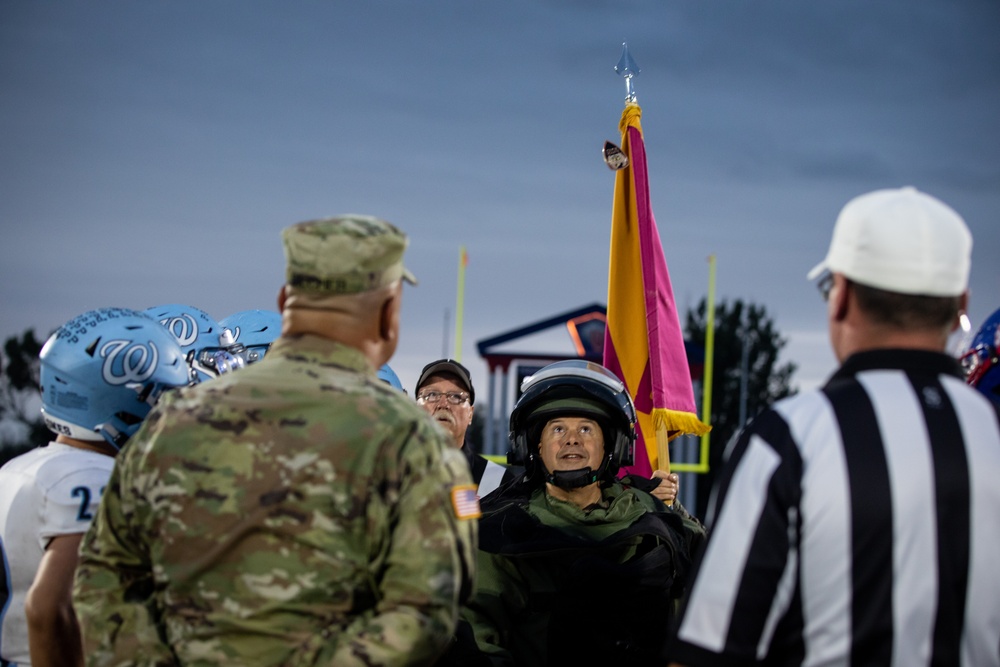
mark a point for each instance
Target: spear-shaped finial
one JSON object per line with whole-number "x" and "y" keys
{"x": 627, "y": 68}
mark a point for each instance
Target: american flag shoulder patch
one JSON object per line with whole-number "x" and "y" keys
{"x": 465, "y": 502}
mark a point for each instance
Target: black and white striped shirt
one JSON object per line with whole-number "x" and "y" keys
{"x": 856, "y": 525}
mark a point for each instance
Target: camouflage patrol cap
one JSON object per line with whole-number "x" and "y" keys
{"x": 347, "y": 254}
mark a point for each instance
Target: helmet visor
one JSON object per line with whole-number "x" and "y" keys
{"x": 578, "y": 368}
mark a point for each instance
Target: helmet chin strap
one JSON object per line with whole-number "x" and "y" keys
{"x": 576, "y": 479}
{"x": 571, "y": 479}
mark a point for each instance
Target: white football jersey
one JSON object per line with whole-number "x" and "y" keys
{"x": 47, "y": 492}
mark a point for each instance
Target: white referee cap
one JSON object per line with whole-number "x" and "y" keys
{"x": 900, "y": 240}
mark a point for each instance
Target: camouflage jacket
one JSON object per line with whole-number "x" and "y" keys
{"x": 295, "y": 512}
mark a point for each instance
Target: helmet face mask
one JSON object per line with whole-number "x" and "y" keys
{"x": 245, "y": 337}
{"x": 977, "y": 363}
{"x": 102, "y": 372}
{"x": 573, "y": 388}
{"x": 194, "y": 330}
{"x": 222, "y": 360}
{"x": 981, "y": 362}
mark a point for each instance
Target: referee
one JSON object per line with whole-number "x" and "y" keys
{"x": 859, "y": 524}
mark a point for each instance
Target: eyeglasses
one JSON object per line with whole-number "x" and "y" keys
{"x": 825, "y": 284}
{"x": 454, "y": 397}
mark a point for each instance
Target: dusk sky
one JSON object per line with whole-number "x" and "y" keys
{"x": 151, "y": 152}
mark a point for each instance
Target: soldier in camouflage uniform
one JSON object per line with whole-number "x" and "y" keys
{"x": 297, "y": 512}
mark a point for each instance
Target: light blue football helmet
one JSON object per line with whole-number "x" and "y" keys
{"x": 252, "y": 332}
{"x": 387, "y": 375}
{"x": 194, "y": 329}
{"x": 102, "y": 372}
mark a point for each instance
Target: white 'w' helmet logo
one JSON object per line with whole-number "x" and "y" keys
{"x": 183, "y": 327}
{"x": 126, "y": 361}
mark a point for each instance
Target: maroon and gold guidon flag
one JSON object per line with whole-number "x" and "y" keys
{"x": 643, "y": 341}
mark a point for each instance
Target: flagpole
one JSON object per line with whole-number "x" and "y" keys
{"x": 463, "y": 259}
{"x": 643, "y": 340}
